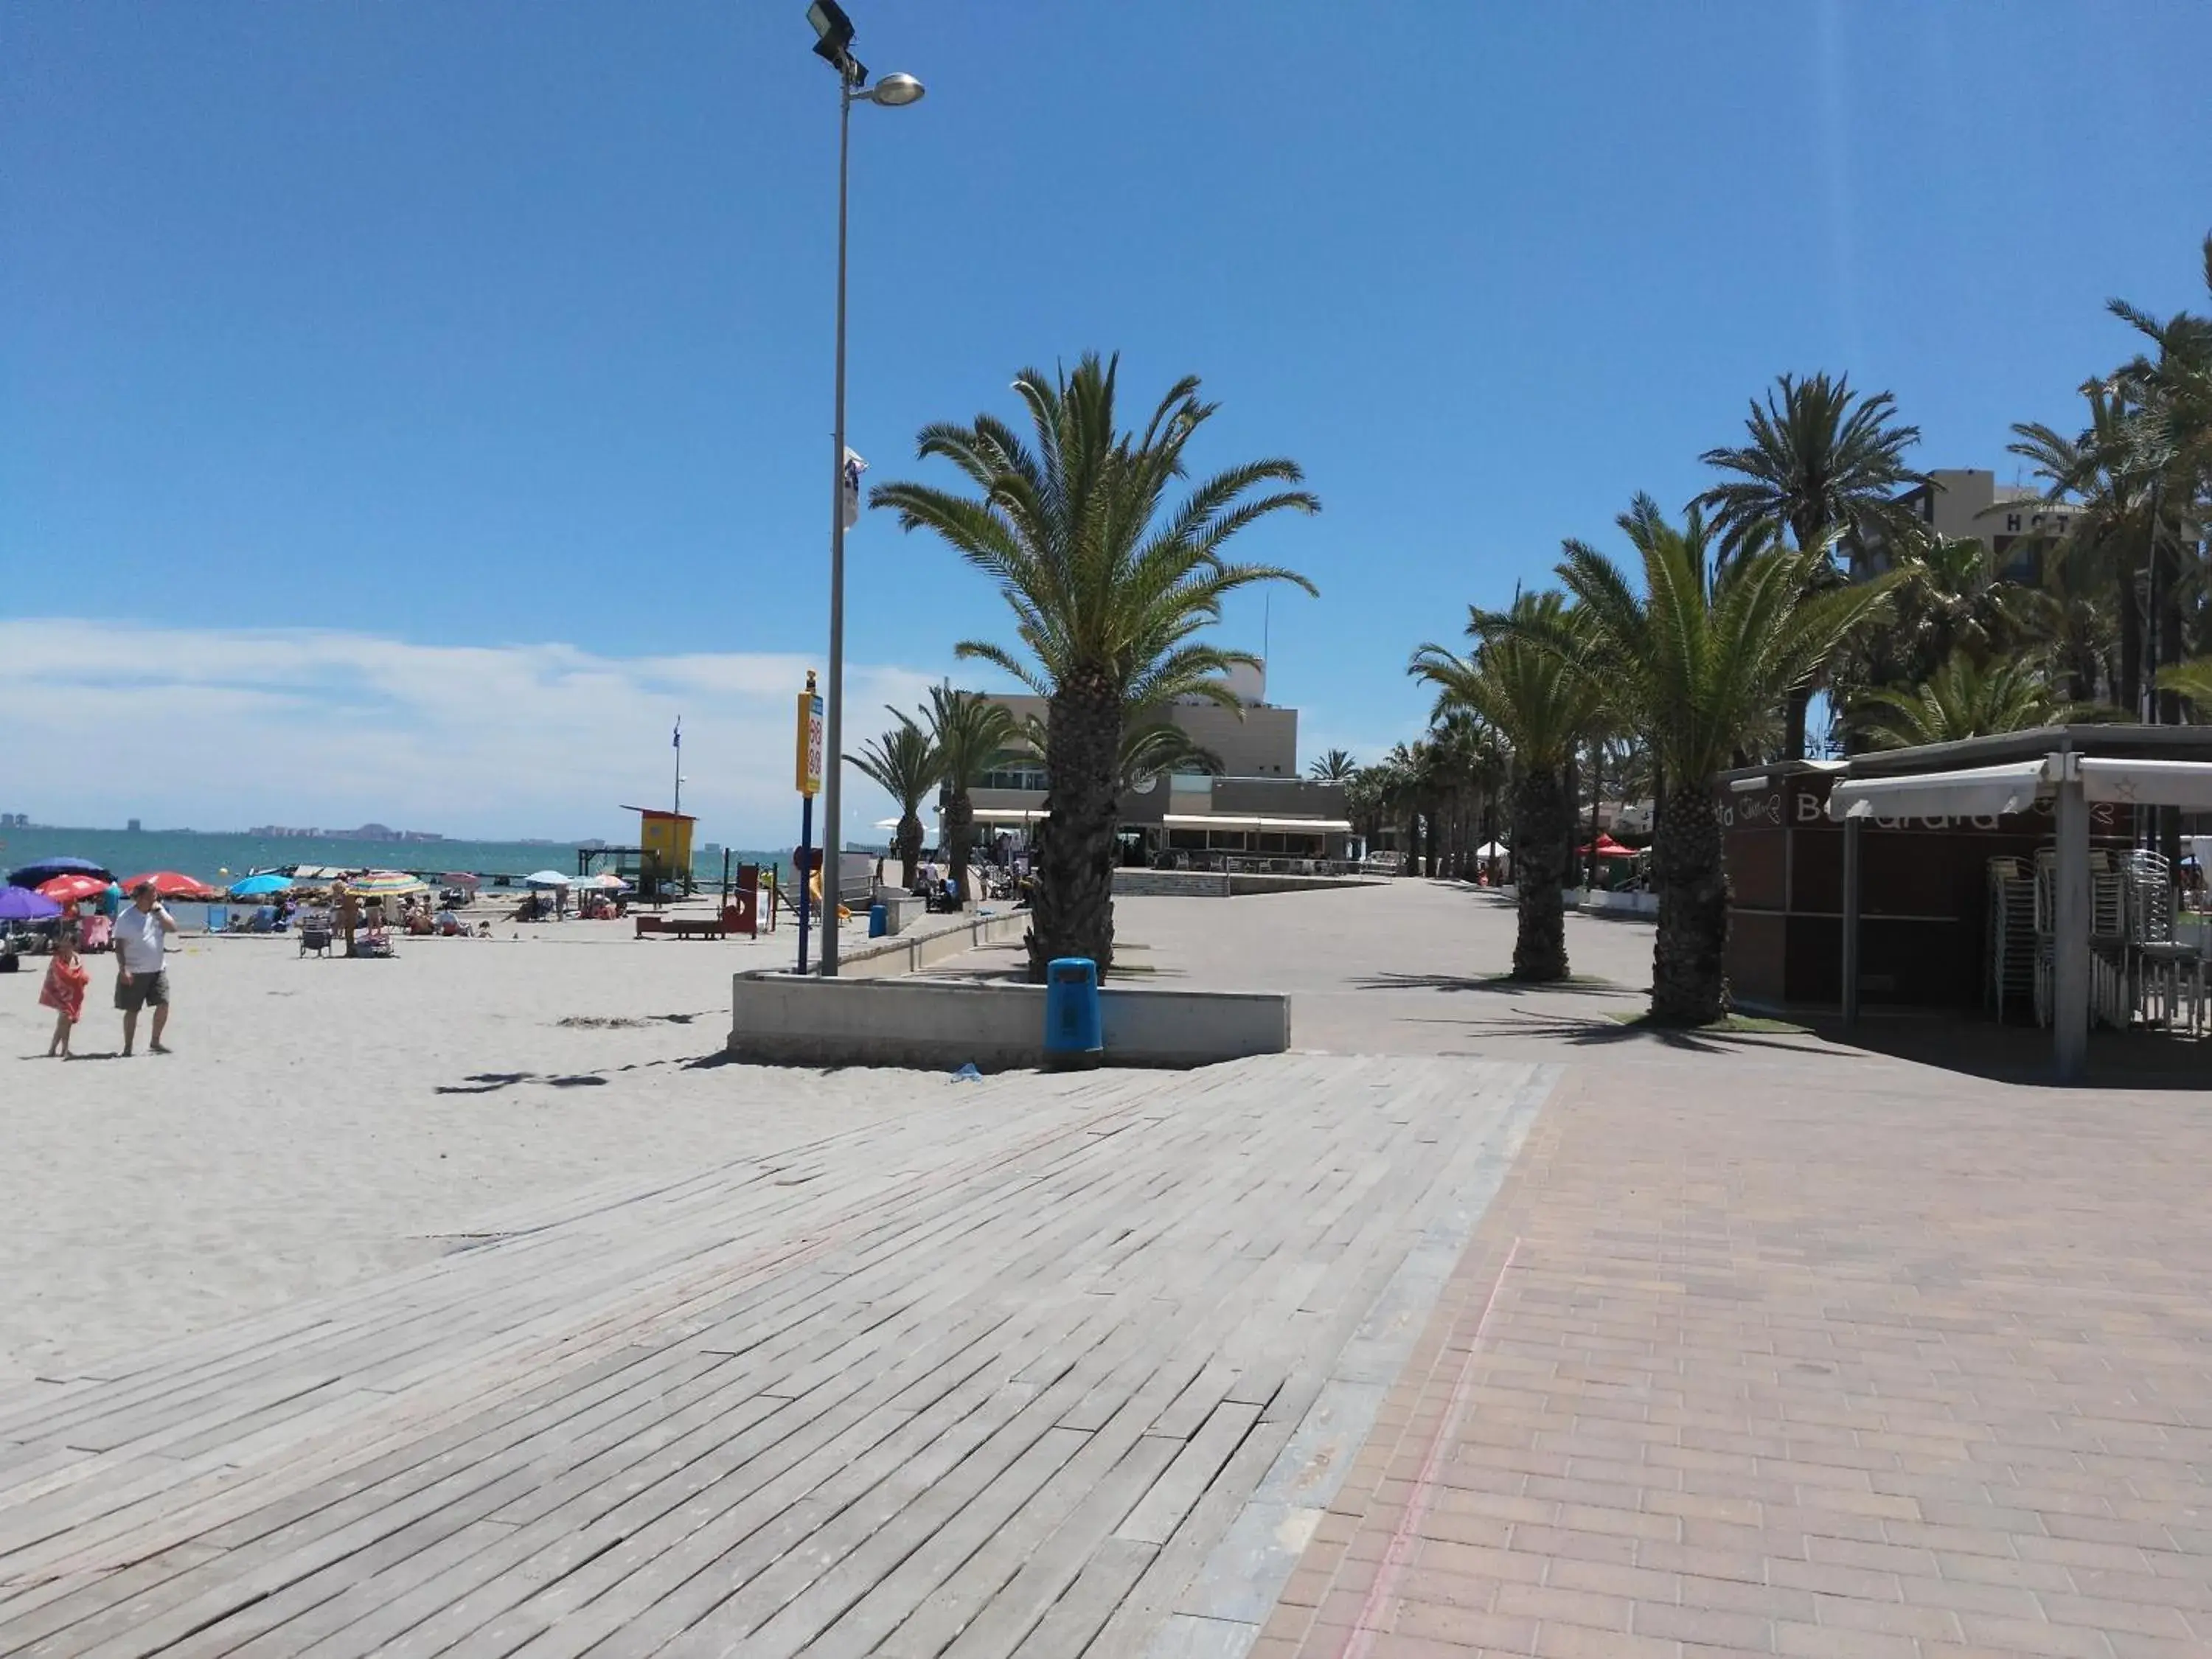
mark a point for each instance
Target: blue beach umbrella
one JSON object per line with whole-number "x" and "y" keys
{"x": 260, "y": 886}
{"x": 30, "y": 875}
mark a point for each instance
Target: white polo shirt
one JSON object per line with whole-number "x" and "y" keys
{"x": 138, "y": 940}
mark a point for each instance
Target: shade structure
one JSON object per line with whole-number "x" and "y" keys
{"x": 27, "y": 904}
{"x": 30, "y": 875}
{"x": 548, "y": 878}
{"x": 606, "y": 881}
{"x": 385, "y": 884}
{"x": 260, "y": 886}
{"x": 1245, "y": 821}
{"x": 2186, "y": 784}
{"x": 70, "y": 890}
{"x": 1973, "y": 792}
{"x": 1492, "y": 849}
{"x": 460, "y": 879}
{"x": 170, "y": 883}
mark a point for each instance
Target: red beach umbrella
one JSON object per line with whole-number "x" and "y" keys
{"x": 169, "y": 884}
{"x": 68, "y": 890}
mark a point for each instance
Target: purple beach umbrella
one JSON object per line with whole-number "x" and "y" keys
{"x": 27, "y": 904}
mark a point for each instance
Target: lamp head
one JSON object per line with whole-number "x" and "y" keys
{"x": 894, "y": 91}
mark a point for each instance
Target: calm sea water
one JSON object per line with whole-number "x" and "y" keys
{"x": 218, "y": 858}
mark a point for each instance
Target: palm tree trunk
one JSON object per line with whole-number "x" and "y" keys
{"x": 958, "y": 830}
{"x": 1689, "y": 984}
{"x": 909, "y": 849}
{"x": 1542, "y": 813}
{"x": 1793, "y": 740}
{"x": 1072, "y": 914}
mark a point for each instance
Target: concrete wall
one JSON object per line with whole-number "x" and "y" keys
{"x": 941, "y": 1024}
{"x": 1129, "y": 883}
{"x": 932, "y": 940}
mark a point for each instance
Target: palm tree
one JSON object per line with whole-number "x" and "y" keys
{"x": 1110, "y": 584}
{"x": 1692, "y": 664}
{"x": 972, "y": 735}
{"x": 1823, "y": 463}
{"x": 1541, "y": 702}
{"x": 2108, "y": 540}
{"x": 1965, "y": 698}
{"x": 1152, "y": 749}
{"x": 1337, "y": 765}
{"x": 904, "y": 762}
{"x": 2190, "y": 680}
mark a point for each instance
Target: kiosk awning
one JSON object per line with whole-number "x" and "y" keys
{"x": 2149, "y": 782}
{"x": 1232, "y": 821}
{"x": 1977, "y": 792}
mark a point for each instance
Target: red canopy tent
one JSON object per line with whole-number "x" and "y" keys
{"x": 1608, "y": 847}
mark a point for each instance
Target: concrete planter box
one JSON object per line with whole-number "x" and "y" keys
{"x": 941, "y": 1024}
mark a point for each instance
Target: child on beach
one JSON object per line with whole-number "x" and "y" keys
{"x": 64, "y": 992}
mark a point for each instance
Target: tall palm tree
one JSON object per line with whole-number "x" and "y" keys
{"x": 972, "y": 735}
{"x": 1541, "y": 702}
{"x": 904, "y": 762}
{"x": 1336, "y": 766}
{"x": 1967, "y": 697}
{"x": 1111, "y": 583}
{"x": 2111, "y": 533}
{"x": 1692, "y": 664}
{"x": 1823, "y": 463}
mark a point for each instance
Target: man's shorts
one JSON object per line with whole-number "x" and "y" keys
{"x": 141, "y": 991}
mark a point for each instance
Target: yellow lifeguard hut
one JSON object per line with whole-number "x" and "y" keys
{"x": 663, "y": 842}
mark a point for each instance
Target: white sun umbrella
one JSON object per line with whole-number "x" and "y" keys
{"x": 548, "y": 879}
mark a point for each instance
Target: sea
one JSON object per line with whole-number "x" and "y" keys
{"x": 220, "y": 858}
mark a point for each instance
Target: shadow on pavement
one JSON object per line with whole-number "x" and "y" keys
{"x": 1494, "y": 983}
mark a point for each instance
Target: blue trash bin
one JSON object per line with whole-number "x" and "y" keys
{"x": 1073, "y": 1039}
{"x": 879, "y": 921}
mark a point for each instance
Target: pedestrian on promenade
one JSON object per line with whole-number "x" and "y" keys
{"x": 63, "y": 992}
{"x": 141, "y": 932}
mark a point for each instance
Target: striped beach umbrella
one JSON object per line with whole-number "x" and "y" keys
{"x": 385, "y": 884}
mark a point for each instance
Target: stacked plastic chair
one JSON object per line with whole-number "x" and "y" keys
{"x": 2012, "y": 934}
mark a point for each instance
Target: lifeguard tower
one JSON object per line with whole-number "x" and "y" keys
{"x": 663, "y": 852}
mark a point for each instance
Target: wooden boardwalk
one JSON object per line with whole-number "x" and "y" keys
{"x": 1048, "y": 1366}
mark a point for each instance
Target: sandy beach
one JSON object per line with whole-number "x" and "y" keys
{"x": 321, "y": 1121}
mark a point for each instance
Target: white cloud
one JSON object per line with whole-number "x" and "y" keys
{"x": 221, "y": 728}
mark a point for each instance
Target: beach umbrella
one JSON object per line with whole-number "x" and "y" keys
{"x": 27, "y": 904}
{"x": 260, "y": 886}
{"x": 170, "y": 884}
{"x": 548, "y": 878}
{"x": 30, "y": 875}
{"x": 68, "y": 890}
{"x": 385, "y": 884}
{"x": 606, "y": 880}
{"x": 460, "y": 879}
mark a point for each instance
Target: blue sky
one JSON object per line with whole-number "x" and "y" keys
{"x": 498, "y": 336}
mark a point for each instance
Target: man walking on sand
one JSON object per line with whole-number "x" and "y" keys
{"x": 141, "y": 962}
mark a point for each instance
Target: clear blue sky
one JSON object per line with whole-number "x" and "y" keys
{"x": 508, "y": 325}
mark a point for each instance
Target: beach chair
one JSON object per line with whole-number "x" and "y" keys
{"x": 375, "y": 941}
{"x": 315, "y": 934}
{"x": 218, "y": 918}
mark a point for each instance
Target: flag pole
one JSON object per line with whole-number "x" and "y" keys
{"x": 678, "y": 741}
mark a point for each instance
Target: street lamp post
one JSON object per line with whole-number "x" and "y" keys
{"x": 833, "y": 45}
